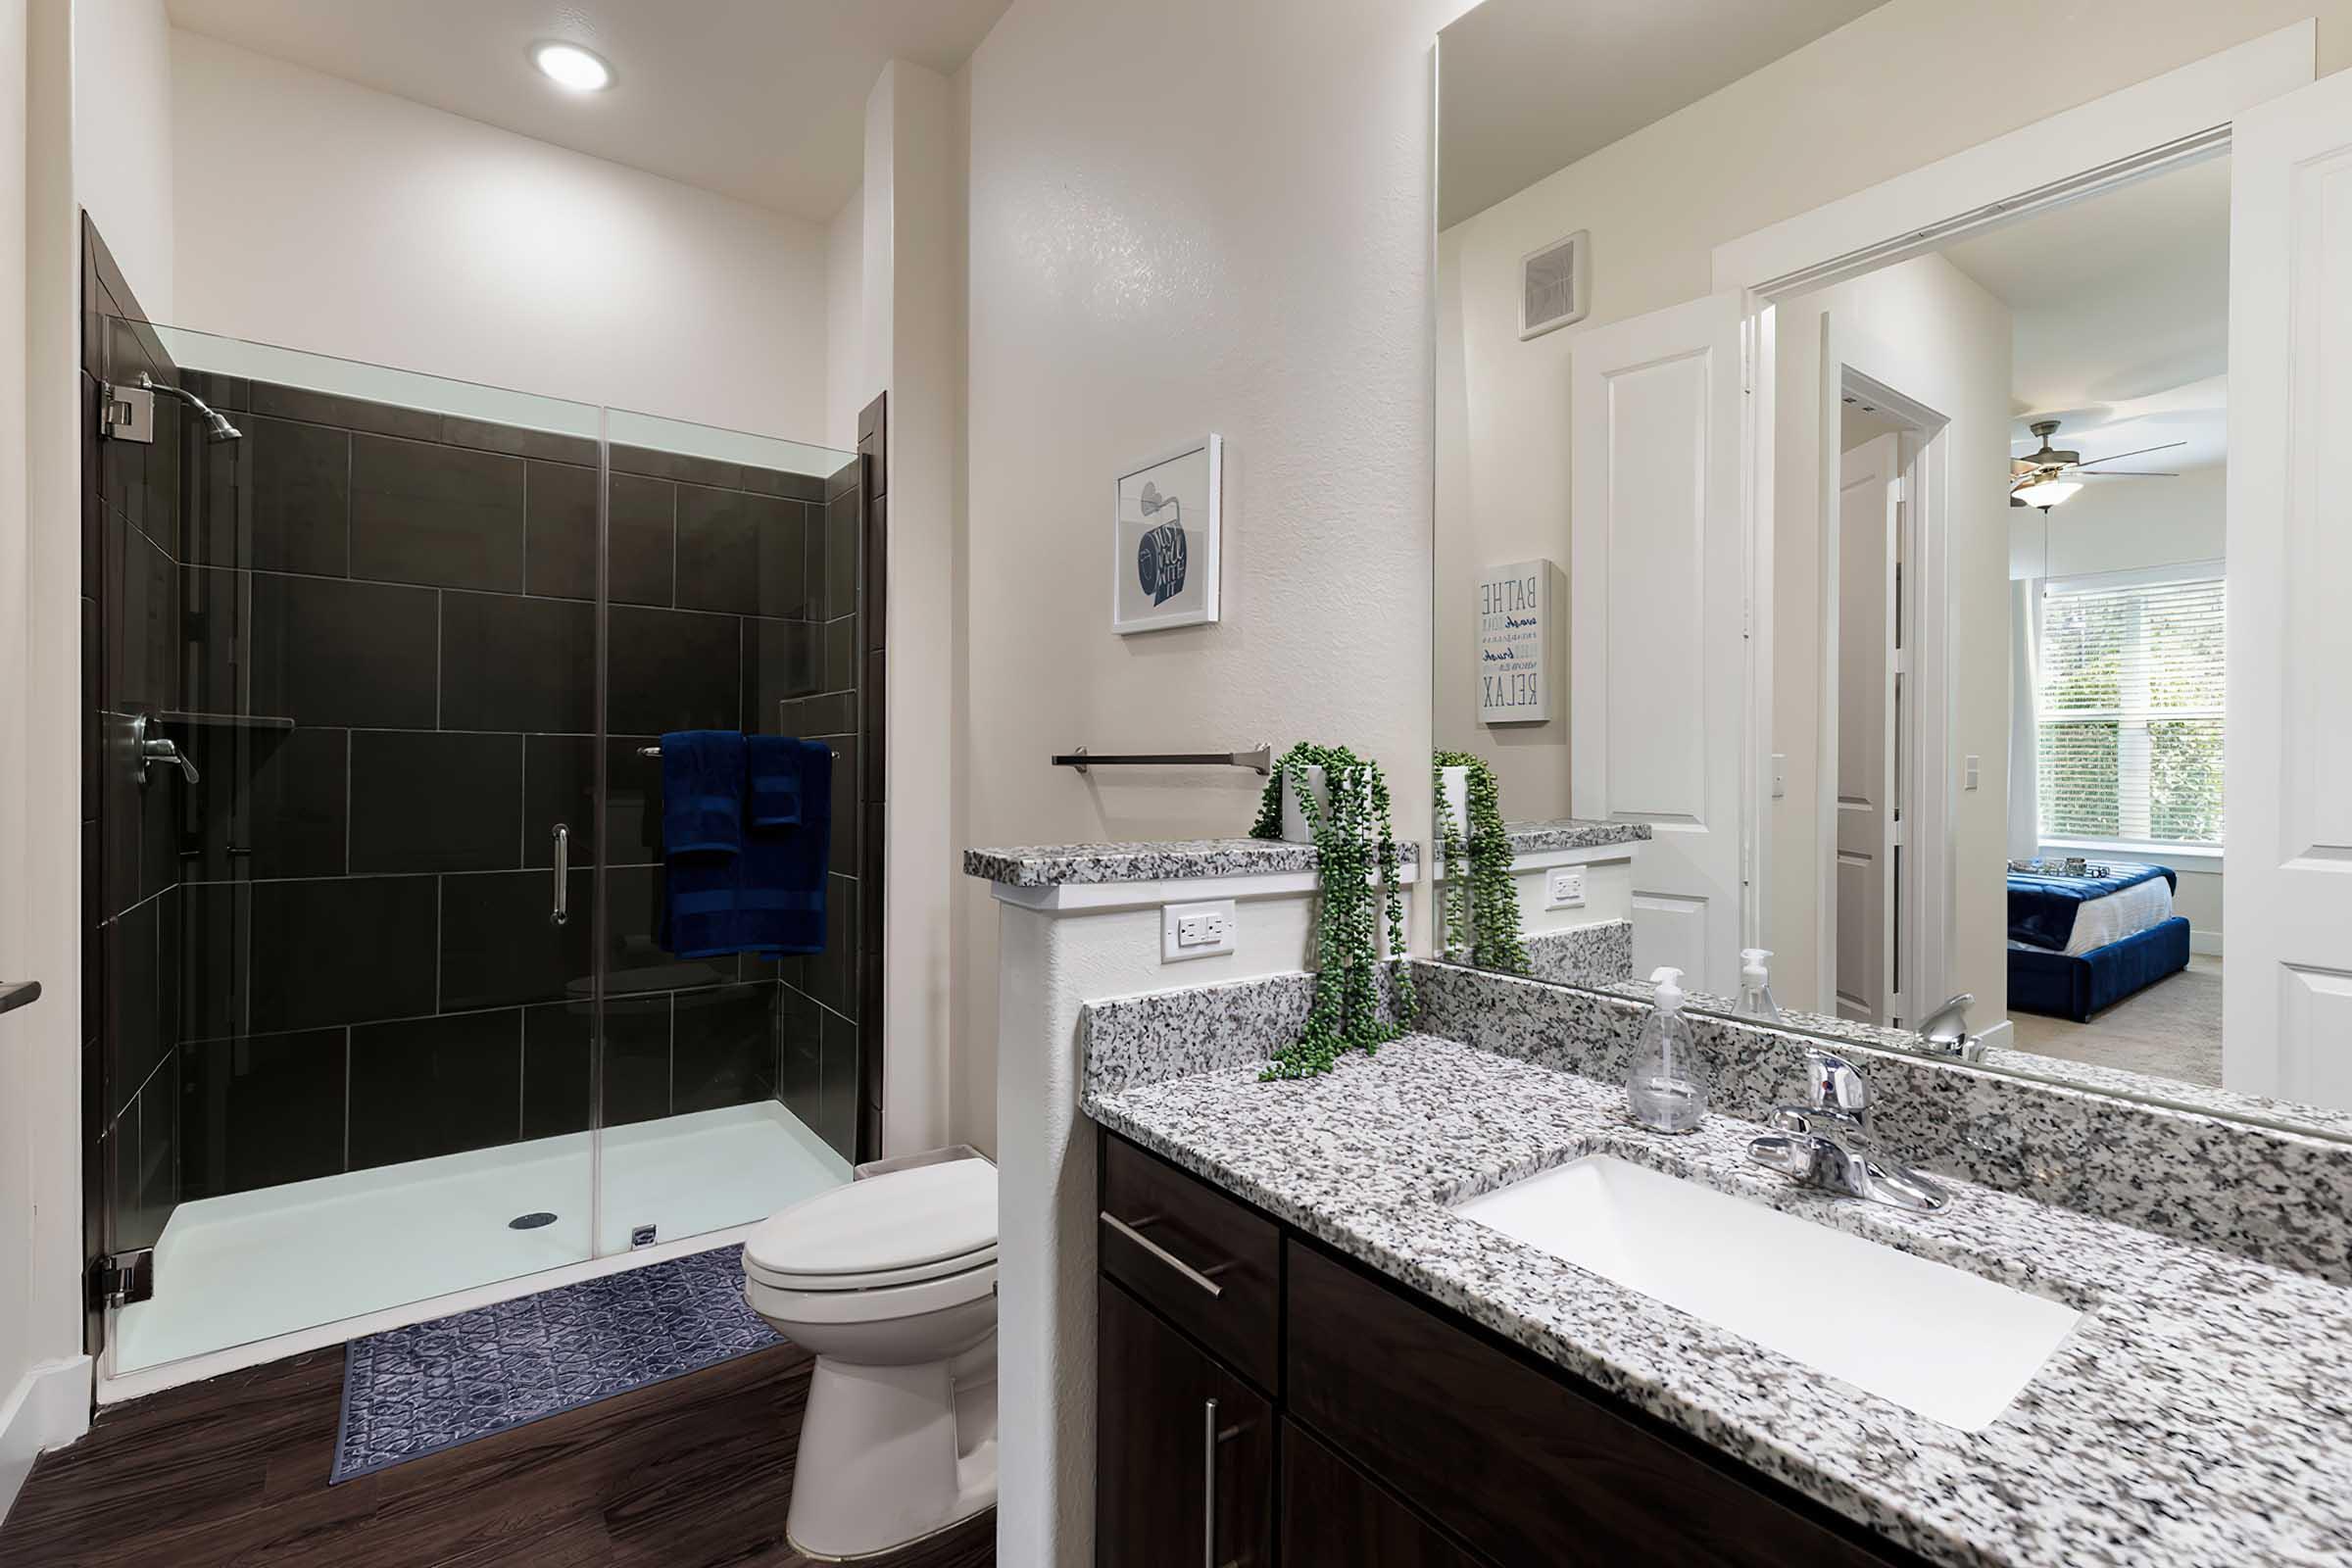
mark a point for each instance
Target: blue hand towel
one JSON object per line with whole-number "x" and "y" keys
{"x": 702, "y": 840}
{"x": 702, "y": 792}
{"x": 774, "y": 765}
{"x": 781, "y": 893}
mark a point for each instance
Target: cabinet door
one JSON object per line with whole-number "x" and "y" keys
{"x": 1334, "y": 1517}
{"x": 1184, "y": 1460}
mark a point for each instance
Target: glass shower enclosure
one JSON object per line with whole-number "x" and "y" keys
{"x": 382, "y": 666}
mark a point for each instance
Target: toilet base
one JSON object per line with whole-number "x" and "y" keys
{"x": 891, "y": 1454}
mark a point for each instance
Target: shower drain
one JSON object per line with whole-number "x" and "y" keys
{"x": 530, "y": 1222}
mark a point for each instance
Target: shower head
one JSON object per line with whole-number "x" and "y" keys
{"x": 216, "y": 428}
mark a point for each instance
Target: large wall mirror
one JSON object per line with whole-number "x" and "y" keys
{"x": 1921, "y": 525}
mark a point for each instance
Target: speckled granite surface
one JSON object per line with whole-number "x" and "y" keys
{"x": 1582, "y": 955}
{"x": 1046, "y": 866}
{"x": 2200, "y": 1416}
{"x": 1571, "y": 833}
{"x": 2281, "y": 1197}
{"x": 1169, "y": 1034}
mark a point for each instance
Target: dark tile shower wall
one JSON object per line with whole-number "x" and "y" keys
{"x": 371, "y": 889}
{"x": 834, "y": 999}
{"x": 374, "y": 630}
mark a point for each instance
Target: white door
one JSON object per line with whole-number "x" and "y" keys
{"x": 1868, "y": 523}
{"x": 1657, "y": 637}
{"x": 2287, "y": 860}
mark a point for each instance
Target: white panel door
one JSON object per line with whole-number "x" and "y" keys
{"x": 2288, "y": 840}
{"x": 1869, "y": 515}
{"x": 1657, "y": 640}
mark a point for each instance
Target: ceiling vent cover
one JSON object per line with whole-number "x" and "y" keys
{"x": 1554, "y": 284}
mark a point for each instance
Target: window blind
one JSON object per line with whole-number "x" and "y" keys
{"x": 2128, "y": 715}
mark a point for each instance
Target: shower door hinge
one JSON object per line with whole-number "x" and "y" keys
{"x": 123, "y": 1278}
{"x": 126, "y": 412}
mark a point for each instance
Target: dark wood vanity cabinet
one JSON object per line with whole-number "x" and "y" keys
{"x": 1358, "y": 1425}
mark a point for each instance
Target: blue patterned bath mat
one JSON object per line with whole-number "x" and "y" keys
{"x": 416, "y": 1391}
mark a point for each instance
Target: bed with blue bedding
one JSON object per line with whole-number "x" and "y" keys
{"x": 2079, "y": 944}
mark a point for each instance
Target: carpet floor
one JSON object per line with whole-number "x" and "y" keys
{"x": 2171, "y": 1030}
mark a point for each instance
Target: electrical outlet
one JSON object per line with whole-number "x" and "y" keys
{"x": 1564, "y": 887}
{"x": 1196, "y": 930}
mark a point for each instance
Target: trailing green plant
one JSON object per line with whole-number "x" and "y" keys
{"x": 1353, "y": 842}
{"x": 1481, "y": 910}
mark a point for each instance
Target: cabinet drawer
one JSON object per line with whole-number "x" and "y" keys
{"x": 1334, "y": 1517}
{"x": 1184, "y": 1450}
{"x": 1511, "y": 1457}
{"x": 1206, "y": 1264}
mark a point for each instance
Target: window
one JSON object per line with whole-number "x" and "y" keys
{"x": 2129, "y": 716}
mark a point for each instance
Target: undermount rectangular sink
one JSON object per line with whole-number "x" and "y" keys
{"x": 1946, "y": 1343}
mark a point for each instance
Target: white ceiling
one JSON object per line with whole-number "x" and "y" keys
{"x": 2121, "y": 311}
{"x": 762, "y": 100}
{"x": 1529, "y": 87}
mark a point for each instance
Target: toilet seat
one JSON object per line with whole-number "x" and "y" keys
{"x": 838, "y": 1303}
{"x": 926, "y": 1225}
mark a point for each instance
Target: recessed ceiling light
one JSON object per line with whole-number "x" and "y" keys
{"x": 569, "y": 65}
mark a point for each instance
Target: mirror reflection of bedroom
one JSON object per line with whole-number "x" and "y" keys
{"x": 2105, "y": 322}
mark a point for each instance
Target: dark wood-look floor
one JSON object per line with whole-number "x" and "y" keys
{"x": 693, "y": 1472}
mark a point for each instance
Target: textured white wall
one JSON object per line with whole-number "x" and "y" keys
{"x": 845, "y": 389}
{"x": 324, "y": 216}
{"x": 122, "y": 153}
{"x": 1184, "y": 220}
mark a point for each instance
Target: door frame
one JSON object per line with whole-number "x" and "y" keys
{"x": 1922, "y": 952}
{"x": 2150, "y": 127}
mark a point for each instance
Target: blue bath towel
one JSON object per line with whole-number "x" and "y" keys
{"x": 702, "y": 842}
{"x": 781, "y": 892}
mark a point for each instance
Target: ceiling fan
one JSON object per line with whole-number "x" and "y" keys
{"x": 2051, "y": 475}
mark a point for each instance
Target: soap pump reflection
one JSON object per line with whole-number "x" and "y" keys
{"x": 1755, "y": 986}
{"x": 1667, "y": 1090}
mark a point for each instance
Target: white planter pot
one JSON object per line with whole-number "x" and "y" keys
{"x": 1293, "y": 818}
{"x": 1453, "y": 794}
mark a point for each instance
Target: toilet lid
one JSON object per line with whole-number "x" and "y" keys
{"x": 921, "y": 1219}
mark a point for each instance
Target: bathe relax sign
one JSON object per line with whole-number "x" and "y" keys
{"x": 1514, "y": 643}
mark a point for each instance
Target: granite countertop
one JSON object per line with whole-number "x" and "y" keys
{"x": 2199, "y": 1415}
{"x": 1572, "y": 833}
{"x": 1046, "y": 866}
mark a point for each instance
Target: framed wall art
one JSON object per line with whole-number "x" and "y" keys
{"x": 1164, "y": 540}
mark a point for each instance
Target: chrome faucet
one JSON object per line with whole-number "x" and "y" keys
{"x": 1827, "y": 1144}
{"x": 1944, "y": 1032}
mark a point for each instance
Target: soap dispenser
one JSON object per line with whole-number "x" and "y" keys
{"x": 1667, "y": 1090}
{"x": 1755, "y": 986}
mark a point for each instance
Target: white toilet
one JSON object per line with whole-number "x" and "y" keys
{"x": 892, "y": 1281}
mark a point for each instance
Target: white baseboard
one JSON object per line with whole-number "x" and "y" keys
{"x": 48, "y": 1409}
{"x": 2204, "y": 942}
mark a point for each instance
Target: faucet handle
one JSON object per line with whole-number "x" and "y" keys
{"x": 1835, "y": 1084}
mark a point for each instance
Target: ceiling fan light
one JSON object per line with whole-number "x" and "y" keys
{"x": 2048, "y": 493}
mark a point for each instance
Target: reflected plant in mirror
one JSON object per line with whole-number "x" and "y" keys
{"x": 1479, "y": 910}
{"x": 1331, "y": 797}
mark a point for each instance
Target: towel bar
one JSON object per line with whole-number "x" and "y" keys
{"x": 656, "y": 751}
{"x": 1259, "y": 762}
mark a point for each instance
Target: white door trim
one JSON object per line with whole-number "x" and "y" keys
{"x": 2129, "y": 133}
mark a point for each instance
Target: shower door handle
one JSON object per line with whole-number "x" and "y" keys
{"x": 563, "y": 907}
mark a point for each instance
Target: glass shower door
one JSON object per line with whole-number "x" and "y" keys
{"x": 731, "y": 1081}
{"x": 375, "y": 617}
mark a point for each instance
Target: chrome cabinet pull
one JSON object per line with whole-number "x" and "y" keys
{"x": 1211, "y": 1435}
{"x": 1162, "y": 1254}
{"x": 561, "y": 912}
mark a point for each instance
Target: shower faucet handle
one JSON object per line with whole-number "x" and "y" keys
{"x": 159, "y": 748}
